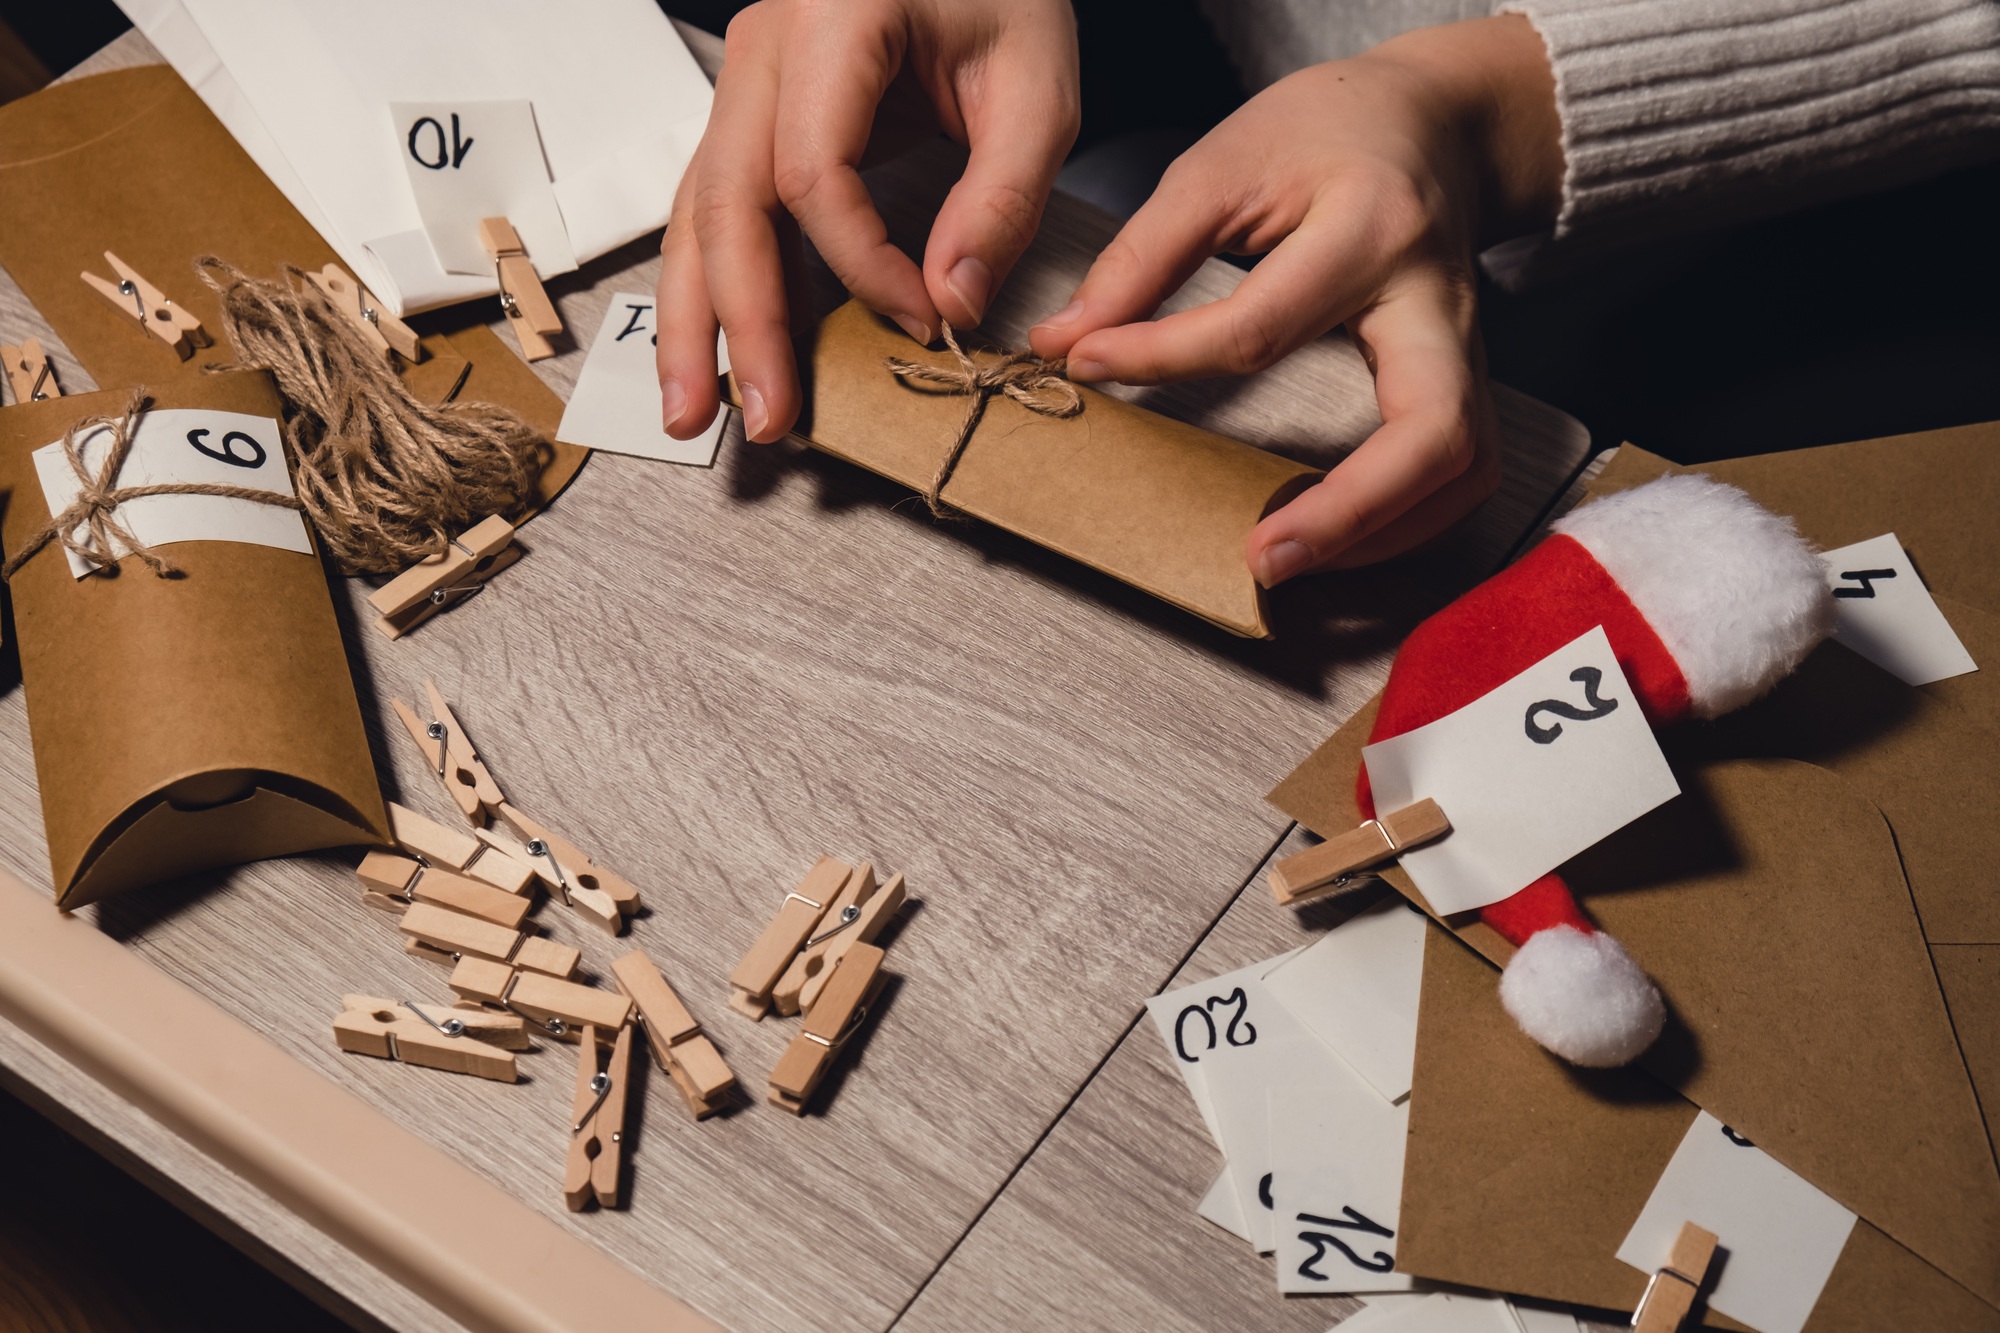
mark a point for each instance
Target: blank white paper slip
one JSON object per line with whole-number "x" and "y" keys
{"x": 187, "y": 445}
{"x": 1448, "y": 1312}
{"x": 1547, "y": 765}
{"x": 616, "y": 405}
{"x": 1357, "y": 990}
{"x": 1777, "y": 1236}
{"x": 1886, "y": 613}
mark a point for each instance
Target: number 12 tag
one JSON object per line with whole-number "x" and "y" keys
{"x": 1530, "y": 774}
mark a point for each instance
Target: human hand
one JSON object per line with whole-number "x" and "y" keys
{"x": 794, "y": 109}
{"x": 1370, "y": 182}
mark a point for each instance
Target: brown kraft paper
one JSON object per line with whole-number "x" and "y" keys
{"x": 1157, "y": 503}
{"x": 181, "y": 723}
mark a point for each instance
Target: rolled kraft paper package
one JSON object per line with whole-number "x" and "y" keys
{"x": 1160, "y": 504}
{"x": 133, "y": 163}
{"x": 180, "y": 723}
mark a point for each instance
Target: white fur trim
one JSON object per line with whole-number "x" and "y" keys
{"x": 1731, "y": 588}
{"x": 1582, "y": 996}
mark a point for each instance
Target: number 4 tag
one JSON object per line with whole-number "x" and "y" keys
{"x": 1885, "y": 613}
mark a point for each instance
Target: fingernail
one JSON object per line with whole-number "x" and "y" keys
{"x": 1083, "y": 368}
{"x": 915, "y": 327}
{"x": 1063, "y": 317}
{"x": 673, "y": 402}
{"x": 755, "y": 415}
{"x": 1281, "y": 560}
{"x": 972, "y": 283}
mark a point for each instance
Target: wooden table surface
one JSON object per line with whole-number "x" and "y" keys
{"x": 709, "y": 677}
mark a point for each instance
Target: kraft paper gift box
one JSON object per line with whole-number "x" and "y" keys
{"x": 1826, "y": 1010}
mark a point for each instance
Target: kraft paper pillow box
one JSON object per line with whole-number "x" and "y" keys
{"x": 184, "y": 723}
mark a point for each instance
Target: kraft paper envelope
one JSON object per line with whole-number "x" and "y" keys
{"x": 133, "y": 163}
{"x": 180, "y": 723}
{"x": 1162, "y": 505}
{"x": 1782, "y": 1034}
{"x": 1523, "y": 1174}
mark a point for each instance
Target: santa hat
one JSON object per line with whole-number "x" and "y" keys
{"x": 1708, "y": 601}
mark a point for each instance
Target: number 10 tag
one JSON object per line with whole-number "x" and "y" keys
{"x": 1530, "y": 774}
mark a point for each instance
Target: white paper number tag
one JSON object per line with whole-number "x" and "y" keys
{"x": 616, "y": 405}
{"x": 187, "y": 445}
{"x": 1887, "y": 615}
{"x": 1777, "y": 1237}
{"x": 1357, "y": 990}
{"x": 1547, "y": 765}
{"x": 472, "y": 160}
{"x": 1336, "y": 1181}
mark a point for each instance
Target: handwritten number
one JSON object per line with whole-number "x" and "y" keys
{"x": 1237, "y": 1033}
{"x": 1736, "y": 1138}
{"x": 1320, "y": 1240}
{"x": 632, "y": 324}
{"x": 227, "y": 453}
{"x": 1866, "y": 578}
{"x": 450, "y": 154}
{"x": 1264, "y": 1191}
{"x": 1594, "y": 707}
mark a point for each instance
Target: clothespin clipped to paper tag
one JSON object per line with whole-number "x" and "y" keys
{"x": 841, "y": 1010}
{"x": 597, "y": 1133}
{"x": 30, "y": 371}
{"x": 395, "y": 883}
{"x": 798, "y": 919}
{"x": 1670, "y": 1292}
{"x": 141, "y": 300}
{"x": 441, "y": 581}
{"x": 458, "y": 851}
{"x": 1325, "y": 869}
{"x": 560, "y": 1007}
{"x": 527, "y": 306}
{"x": 603, "y": 896}
{"x": 455, "y": 1042}
{"x": 445, "y": 936}
{"x": 683, "y": 1053}
{"x": 450, "y": 754}
{"x": 383, "y": 330}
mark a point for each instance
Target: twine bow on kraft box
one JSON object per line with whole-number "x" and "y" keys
{"x": 186, "y": 717}
{"x": 1157, "y": 503}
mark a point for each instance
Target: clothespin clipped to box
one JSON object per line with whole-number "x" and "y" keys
{"x": 440, "y": 581}
{"x": 687, "y": 1057}
{"x": 457, "y": 1043}
{"x": 527, "y": 306}
{"x": 846, "y": 924}
{"x": 456, "y": 850}
{"x": 1670, "y": 1292}
{"x": 842, "y": 1008}
{"x": 798, "y": 917}
{"x": 602, "y": 896}
{"x": 133, "y": 295}
{"x": 597, "y": 1134}
{"x": 1326, "y": 868}
{"x": 395, "y": 883}
{"x": 561, "y": 1008}
{"x": 445, "y": 936}
{"x": 384, "y": 332}
{"x": 450, "y": 754}
{"x": 30, "y": 371}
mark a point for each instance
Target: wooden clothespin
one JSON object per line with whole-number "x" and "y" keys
{"x": 570, "y": 871}
{"x": 443, "y": 935}
{"x": 140, "y": 299}
{"x": 562, "y": 1008}
{"x": 597, "y": 1135}
{"x": 1670, "y": 1292}
{"x": 798, "y": 917}
{"x": 458, "y": 1043}
{"x": 1320, "y": 870}
{"x": 459, "y": 851}
{"x": 440, "y": 581}
{"x": 397, "y": 882}
{"x": 527, "y": 306}
{"x": 846, "y": 923}
{"x": 688, "y": 1058}
{"x": 383, "y": 330}
{"x": 30, "y": 371}
{"x": 842, "y": 1008}
{"x": 450, "y": 754}
{"x": 503, "y": 862}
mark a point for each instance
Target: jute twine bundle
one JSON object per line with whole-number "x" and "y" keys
{"x": 387, "y": 479}
{"x": 89, "y": 525}
{"x": 1036, "y": 384}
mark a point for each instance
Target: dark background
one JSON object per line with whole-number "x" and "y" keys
{"x": 1870, "y": 317}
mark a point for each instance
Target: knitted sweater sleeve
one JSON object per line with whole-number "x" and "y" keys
{"x": 1686, "y": 114}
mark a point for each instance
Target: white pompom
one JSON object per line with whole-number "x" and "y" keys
{"x": 1582, "y": 997}
{"x": 1731, "y": 588}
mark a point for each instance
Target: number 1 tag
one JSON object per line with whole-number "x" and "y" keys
{"x": 1530, "y": 774}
